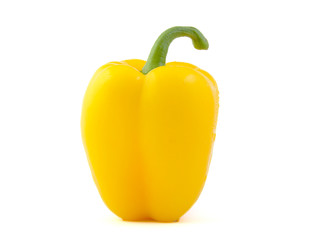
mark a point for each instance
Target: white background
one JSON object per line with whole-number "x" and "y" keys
{"x": 265, "y": 179}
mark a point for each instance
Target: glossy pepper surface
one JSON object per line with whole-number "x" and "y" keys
{"x": 148, "y": 130}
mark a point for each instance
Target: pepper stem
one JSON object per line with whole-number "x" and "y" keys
{"x": 160, "y": 48}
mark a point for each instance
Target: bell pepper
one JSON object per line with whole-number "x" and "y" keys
{"x": 148, "y": 130}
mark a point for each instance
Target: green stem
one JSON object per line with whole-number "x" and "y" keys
{"x": 160, "y": 48}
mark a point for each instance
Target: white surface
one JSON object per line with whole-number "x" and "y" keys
{"x": 265, "y": 178}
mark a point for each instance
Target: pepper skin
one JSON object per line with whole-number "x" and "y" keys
{"x": 148, "y": 130}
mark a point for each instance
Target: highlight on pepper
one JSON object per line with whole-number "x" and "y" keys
{"x": 148, "y": 130}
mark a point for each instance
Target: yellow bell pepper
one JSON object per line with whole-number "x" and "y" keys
{"x": 148, "y": 130}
